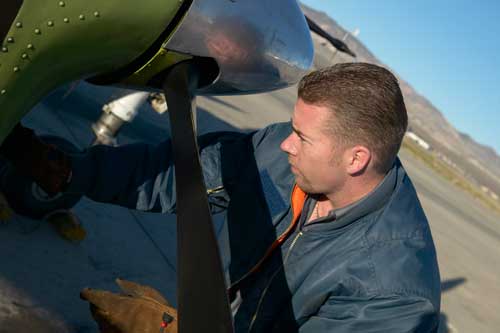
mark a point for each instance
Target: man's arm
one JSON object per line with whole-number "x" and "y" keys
{"x": 391, "y": 314}
{"x": 137, "y": 176}
{"x": 141, "y": 176}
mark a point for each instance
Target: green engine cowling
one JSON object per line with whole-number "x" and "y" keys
{"x": 52, "y": 42}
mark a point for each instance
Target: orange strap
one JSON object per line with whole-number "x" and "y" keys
{"x": 297, "y": 202}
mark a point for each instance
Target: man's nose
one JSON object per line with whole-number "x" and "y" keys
{"x": 287, "y": 146}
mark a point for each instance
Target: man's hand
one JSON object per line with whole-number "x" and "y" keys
{"x": 49, "y": 167}
{"x": 139, "y": 309}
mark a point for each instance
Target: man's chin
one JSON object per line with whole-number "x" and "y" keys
{"x": 304, "y": 186}
{"x": 307, "y": 187}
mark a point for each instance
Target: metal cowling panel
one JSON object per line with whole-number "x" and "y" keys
{"x": 53, "y": 42}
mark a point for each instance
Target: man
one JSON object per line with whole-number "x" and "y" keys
{"x": 324, "y": 231}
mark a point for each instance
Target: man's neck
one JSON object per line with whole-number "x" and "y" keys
{"x": 355, "y": 189}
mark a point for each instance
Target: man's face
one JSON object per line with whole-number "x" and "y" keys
{"x": 315, "y": 158}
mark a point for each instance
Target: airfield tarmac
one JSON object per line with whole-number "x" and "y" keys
{"x": 41, "y": 274}
{"x": 467, "y": 238}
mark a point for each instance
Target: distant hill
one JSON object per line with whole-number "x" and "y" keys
{"x": 479, "y": 163}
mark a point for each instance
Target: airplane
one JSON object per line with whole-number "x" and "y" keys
{"x": 182, "y": 47}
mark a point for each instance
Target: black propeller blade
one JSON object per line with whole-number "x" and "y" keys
{"x": 339, "y": 45}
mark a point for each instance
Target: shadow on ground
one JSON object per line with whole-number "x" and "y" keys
{"x": 446, "y": 286}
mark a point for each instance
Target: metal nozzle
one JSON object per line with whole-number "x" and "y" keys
{"x": 106, "y": 128}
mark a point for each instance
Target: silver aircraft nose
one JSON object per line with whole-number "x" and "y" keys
{"x": 259, "y": 45}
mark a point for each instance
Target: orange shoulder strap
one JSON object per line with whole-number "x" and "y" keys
{"x": 297, "y": 202}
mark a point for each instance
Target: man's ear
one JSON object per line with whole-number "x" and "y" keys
{"x": 358, "y": 159}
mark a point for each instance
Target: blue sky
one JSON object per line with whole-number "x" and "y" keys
{"x": 449, "y": 51}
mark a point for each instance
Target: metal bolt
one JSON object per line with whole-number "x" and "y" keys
{"x": 50, "y": 23}
{"x": 37, "y": 31}
{"x": 97, "y": 14}
{"x": 10, "y": 40}
{"x": 19, "y": 25}
{"x": 24, "y": 56}
{"x": 81, "y": 17}
{"x": 30, "y": 46}
{"x": 3, "y": 92}
{"x": 66, "y": 20}
{"x": 61, "y": 4}
{"x": 16, "y": 69}
{"x": 4, "y": 49}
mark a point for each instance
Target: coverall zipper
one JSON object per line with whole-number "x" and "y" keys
{"x": 271, "y": 281}
{"x": 281, "y": 238}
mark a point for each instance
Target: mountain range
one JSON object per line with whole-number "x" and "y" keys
{"x": 477, "y": 162}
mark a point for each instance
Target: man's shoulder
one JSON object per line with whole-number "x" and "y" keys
{"x": 402, "y": 215}
{"x": 400, "y": 245}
